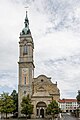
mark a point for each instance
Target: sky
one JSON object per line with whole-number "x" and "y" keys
{"x": 55, "y": 28}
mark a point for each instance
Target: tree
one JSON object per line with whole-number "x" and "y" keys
{"x": 27, "y": 107}
{"x": 53, "y": 108}
{"x": 6, "y": 103}
{"x": 78, "y": 98}
{"x": 14, "y": 95}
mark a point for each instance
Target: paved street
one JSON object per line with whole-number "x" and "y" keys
{"x": 65, "y": 116}
{"x": 68, "y": 117}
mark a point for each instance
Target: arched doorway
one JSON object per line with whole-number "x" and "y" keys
{"x": 41, "y": 109}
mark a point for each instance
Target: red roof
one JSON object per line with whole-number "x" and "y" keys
{"x": 67, "y": 100}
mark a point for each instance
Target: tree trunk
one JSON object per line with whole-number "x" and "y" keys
{"x": 52, "y": 117}
{"x": 6, "y": 115}
{"x": 26, "y": 117}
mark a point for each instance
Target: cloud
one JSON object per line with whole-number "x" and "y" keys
{"x": 57, "y": 45}
{"x": 64, "y": 14}
{"x": 8, "y": 81}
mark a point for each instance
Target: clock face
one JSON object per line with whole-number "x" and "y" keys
{"x": 24, "y": 70}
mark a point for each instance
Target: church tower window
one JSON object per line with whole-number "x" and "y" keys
{"x": 25, "y": 80}
{"x": 25, "y": 50}
{"x": 24, "y": 92}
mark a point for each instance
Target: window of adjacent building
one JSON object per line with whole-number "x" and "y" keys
{"x": 25, "y": 50}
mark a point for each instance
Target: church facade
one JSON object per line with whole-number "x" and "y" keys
{"x": 40, "y": 89}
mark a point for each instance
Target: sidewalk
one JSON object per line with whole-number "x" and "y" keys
{"x": 59, "y": 118}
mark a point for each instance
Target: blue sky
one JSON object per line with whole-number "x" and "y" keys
{"x": 55, "y": 27}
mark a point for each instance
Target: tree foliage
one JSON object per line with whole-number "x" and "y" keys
{"x": 27, "y": 107}
{"x": 14, "y": 95}
{"x": 53, "y": 108}
{"x": 6, "y": 103}
{"x": 78, "y": 97}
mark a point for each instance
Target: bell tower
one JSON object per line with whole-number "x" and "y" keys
{"x": 26, "y": 65}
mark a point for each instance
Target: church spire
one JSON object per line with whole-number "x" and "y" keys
{"x": 26, "y": 21}
{"x": 26, "y": 29}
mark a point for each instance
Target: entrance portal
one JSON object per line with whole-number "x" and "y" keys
{"x": 41, "y": 109}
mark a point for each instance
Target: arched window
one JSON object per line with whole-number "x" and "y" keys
{"x": 25, "y": 50}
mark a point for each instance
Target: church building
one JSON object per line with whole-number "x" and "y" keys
{"x": 41, "y": 89}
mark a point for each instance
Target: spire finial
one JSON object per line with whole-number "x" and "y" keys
{"x": 26, "y": 29}
{"x": 26, "y": 11}
{"x": 26, "y": 8}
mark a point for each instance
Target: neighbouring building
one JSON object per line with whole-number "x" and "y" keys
{"x": 40, "y": 89}
{"x": 68, "y": 105}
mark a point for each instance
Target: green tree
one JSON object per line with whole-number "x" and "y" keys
{"x": 14, "y": 95}
{"x": 78, "y": 98}
{"x": 27, "y": 107}
{"x": 53, "y": 109}
{"x": 6, "y": 103}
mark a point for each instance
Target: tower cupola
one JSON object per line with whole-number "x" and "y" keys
{"x": 26, "y": 29}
